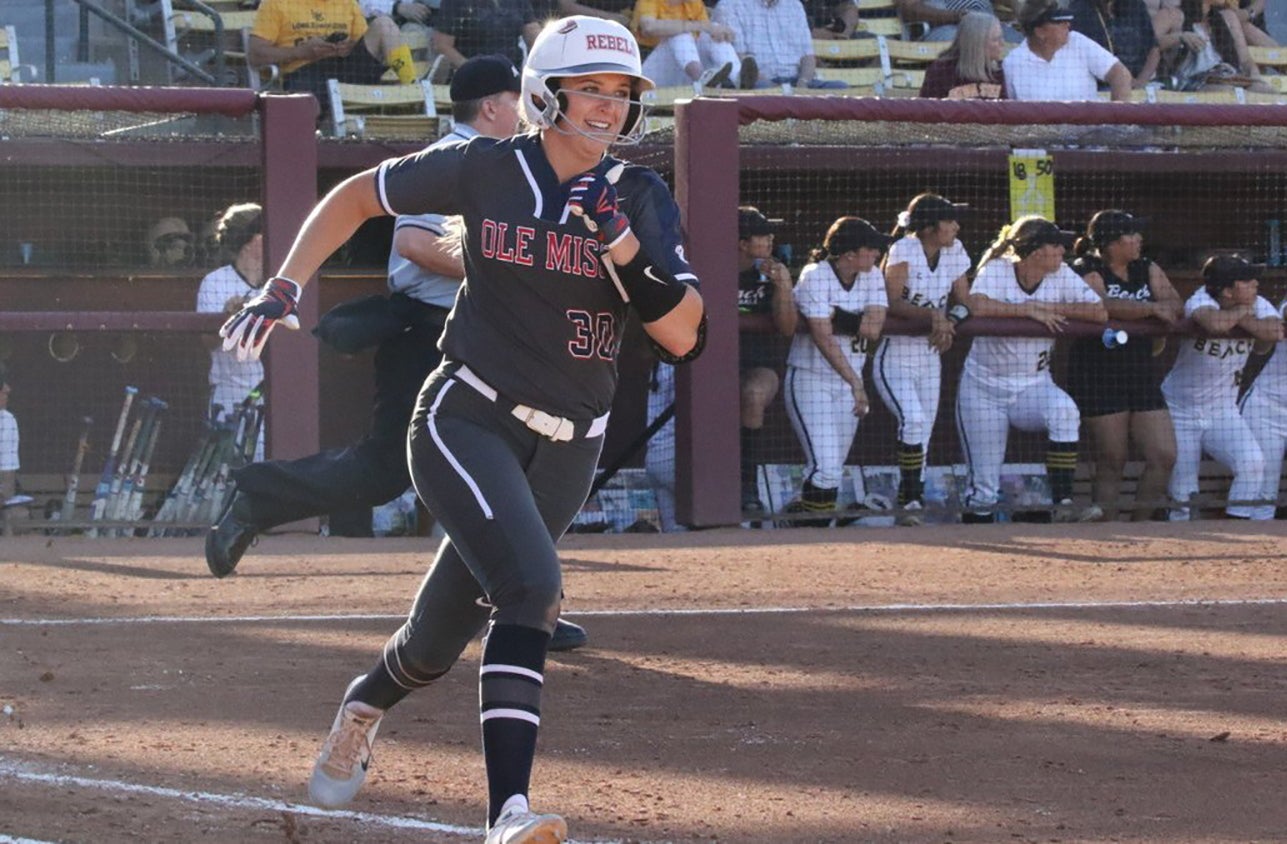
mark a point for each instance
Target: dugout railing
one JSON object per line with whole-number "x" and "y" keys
{"x": 1212, "y": 177}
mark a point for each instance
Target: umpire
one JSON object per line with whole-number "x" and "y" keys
{"x": 425, "y": 270}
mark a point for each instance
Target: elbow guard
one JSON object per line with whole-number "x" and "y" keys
{"x": 651, "y": 288}
{"x": 672, "y": 359}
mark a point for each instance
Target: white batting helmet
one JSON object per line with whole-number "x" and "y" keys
{"x": 581, "y": 45}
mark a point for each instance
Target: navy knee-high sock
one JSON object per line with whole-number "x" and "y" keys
{"x": 509, "y": 694}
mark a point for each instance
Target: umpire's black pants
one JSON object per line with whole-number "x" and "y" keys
{"x": 367, "y": 473}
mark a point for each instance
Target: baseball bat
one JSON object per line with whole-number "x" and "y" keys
{"x": 142, "y": 423}
{"x": 73, "y": 480}
{"x": 134, "y": 506}
{"x": 99, "y": 504}
{"x": 169, "y": 507}
{"x": 118, "y": 508}
{"x": 610, "y": 471}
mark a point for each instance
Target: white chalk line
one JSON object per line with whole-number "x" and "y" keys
{"x": 27, "y": 773}
{"x": 1182, "y": 603}
{"x": 23, "y": 773}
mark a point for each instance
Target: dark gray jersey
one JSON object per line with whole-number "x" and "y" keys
{"x": 537, "y": 317}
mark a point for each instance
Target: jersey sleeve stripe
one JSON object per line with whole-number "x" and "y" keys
{"x": 441, "y": 231}
{"x": 380, "y": 191}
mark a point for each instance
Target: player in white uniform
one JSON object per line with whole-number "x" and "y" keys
{"x": 1202, "y": 388}
{"x": 925, "y": 269}
{"x": 1264, "y": 407}
{"x": 842, "y": 297}
{"x": 1007, "y": 380}
{"x": 224, "y": 291}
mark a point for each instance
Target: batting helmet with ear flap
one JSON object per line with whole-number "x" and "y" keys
{"x": 580, "y": 46}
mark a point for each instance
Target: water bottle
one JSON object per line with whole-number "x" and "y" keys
{"x": 1114, "y": 337}
{"x": 1274, "y": 250}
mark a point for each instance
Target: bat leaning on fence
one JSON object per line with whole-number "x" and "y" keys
{"x": 99, "y": 505}
{"x": 177, "y": 497}
{"x": 118, "y": 504}
{"x": 142, "y": 425}
{"x": 134, "y": 504}
{"x": 73, "y": 480}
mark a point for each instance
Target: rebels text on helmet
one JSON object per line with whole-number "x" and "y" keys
{"x": 611, "y": 42}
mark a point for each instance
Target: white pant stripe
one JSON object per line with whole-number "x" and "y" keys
{"x": 451, "y": 458}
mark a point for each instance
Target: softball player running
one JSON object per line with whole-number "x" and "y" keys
{"x": 1007, "y": 380}
{"x": 1119, "y": 390}
{"x": 842, "y": 296}
{"x": 507, "y": 431}
{"x": 925, "y": 268}
{"x": 1202, "y": 388}
{"x": 1264, "y": 407}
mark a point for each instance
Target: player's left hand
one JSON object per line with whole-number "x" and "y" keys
{"x": 593, "y": 198}
{"x": 861, "y": 404}
{"x": 247, "y": 330}
{"x": 942, "y": 332}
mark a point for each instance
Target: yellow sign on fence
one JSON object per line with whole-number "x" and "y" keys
{"x": 1032, "y": 184}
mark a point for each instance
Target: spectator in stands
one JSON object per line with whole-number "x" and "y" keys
{"x": 1264, "y": 407}
{"x": 943, "y": 17}
{"x": 686, "y": 45}
{"x": 1117, "y": 388}
{"x": 832, "y": 21}
{"x": 926, "y": 271}
{"x": 1125, "y": 29}
{"x": 169, "y": 243}
{"x": 842, "y": 297}
{"x": 1168, "y": 23}
{"x": 401, "y": 11}
{"x": 224, "y": 291}
{"x": 764, "y": 287}
{"x": 9, "y": 462}
{"x": 1222, "y": 53}
{"x": 774, "y": 43}
{"x": 467, "y": 28}
{"x": 613, "y": 10}
{"x": 970, "y": 69}
{"x": 1201, "y": 390}
{"x": 1055, "y": 63}
{"x": 318, "y": 40}
{"x": 1006, "y": 381}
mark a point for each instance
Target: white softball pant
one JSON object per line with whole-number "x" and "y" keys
{"x": 984, "y": 415}
{"x": 1225, "y": 435}
{"x": 1267, "y": 420}
{"x": 665, "y": 64}
{"x": 909, "y": 378}
{"x": 821, "y": 409}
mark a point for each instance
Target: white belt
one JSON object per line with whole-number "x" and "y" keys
{"x": 557, "y": 428}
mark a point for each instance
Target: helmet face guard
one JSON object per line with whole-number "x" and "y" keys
{"x": 581, "y": 46}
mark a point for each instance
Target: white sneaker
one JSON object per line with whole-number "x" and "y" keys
{"x": 715, "y": 77}
{"x": 1093, "y": 513}
{"x": 518, "y": 824}
{"x": 911, "y": 515}
{"x": 341, "y": 766}
{"x": 1064, "y": 512}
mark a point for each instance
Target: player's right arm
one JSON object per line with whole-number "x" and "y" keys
{"x": 1264, "y": 324}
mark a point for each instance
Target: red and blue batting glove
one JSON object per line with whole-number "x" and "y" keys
{"x": 247, "y": 330}
{"x": 594, "y": 199}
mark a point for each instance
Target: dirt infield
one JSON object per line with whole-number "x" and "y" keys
{"x": 998, "y": 683}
